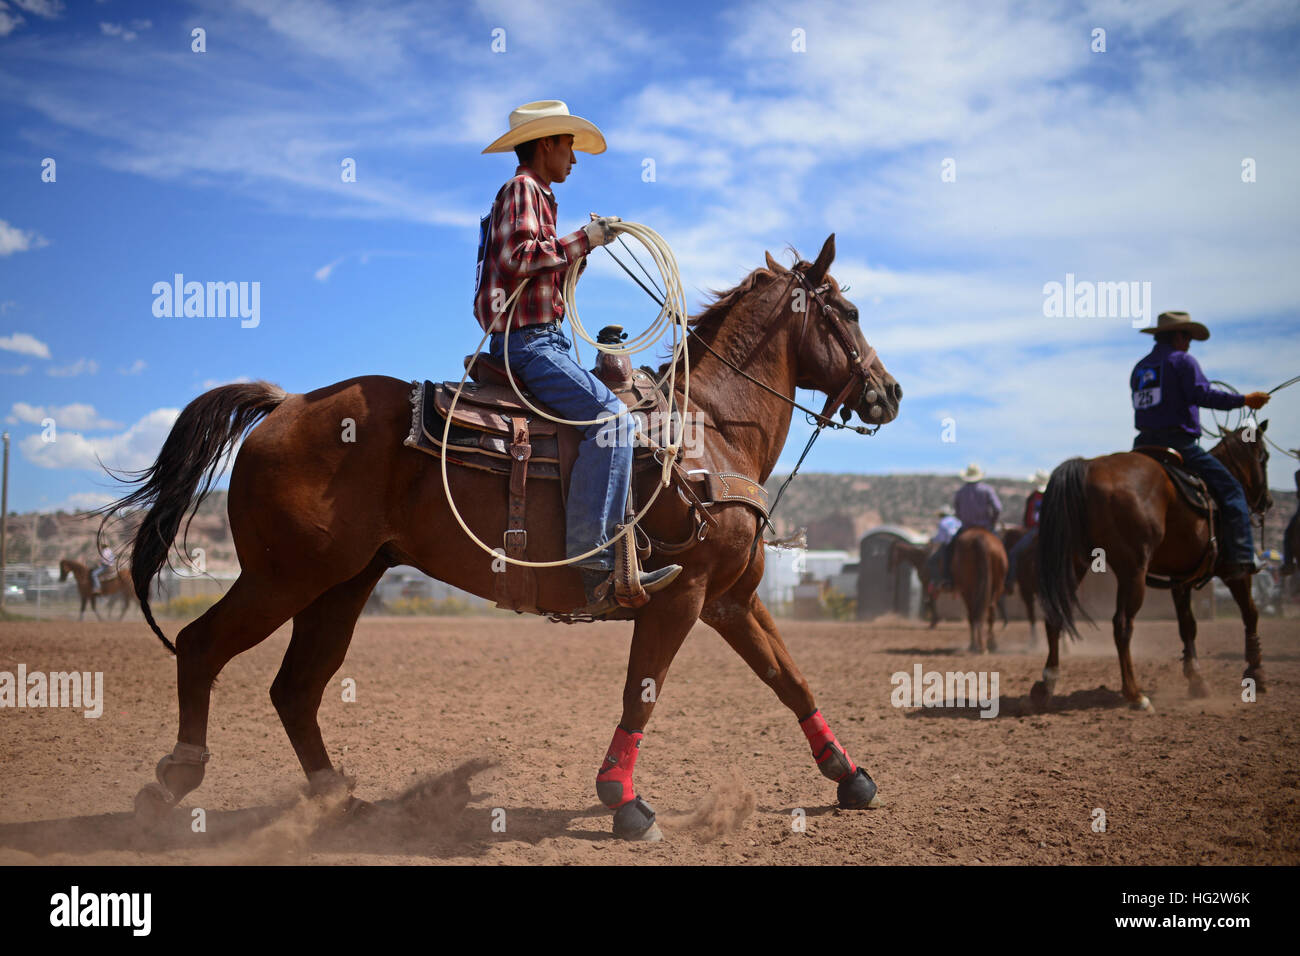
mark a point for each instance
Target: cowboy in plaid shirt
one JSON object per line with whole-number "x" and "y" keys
{"x": 518, "y": 243}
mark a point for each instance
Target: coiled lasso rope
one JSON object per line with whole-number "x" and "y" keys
{"x": 672, "y": 316}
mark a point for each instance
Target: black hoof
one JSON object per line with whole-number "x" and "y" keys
{"x": 858, "y": 791}
{"x": 635, "y": 820}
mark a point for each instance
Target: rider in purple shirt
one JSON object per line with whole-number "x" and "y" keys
{"x": 1169, "y": 390}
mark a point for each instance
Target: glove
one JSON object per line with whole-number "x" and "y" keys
{"x": 1256, "y": 400}
{"x": 598, "y": 230}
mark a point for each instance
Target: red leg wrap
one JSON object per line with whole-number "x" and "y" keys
{"x": 614, "y": 781}
{"x": 832, "y": 759}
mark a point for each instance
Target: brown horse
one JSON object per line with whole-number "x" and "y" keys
{"x": 979, "y": 565}
{"x": 1124, "y": 510}
{"x": 117, "y": 588}
{"x": 1026, "y": 575}
{"x": 317, "y": 520}
{"x": 918, "y": 557}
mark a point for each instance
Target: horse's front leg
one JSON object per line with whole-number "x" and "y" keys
{"x": 1240, "y": 586}
{"x": 748, "y": 627}
{"x": 660, "y": 629}
{"x": 1187, "y": 631}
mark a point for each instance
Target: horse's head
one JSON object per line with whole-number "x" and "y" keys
{"x": 1245, "y": 453}
{"x": 832, "y": 353}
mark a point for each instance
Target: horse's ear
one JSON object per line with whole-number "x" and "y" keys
{"x": 824, "y": 259}
{"x": 1263, "y": 426}
{"x": 774, "y": 265}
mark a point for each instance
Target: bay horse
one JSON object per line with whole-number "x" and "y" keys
{"x": 117, "y": 588}
{"x": 317, "y": 520}
{"x": 1126, "y": 505}
{"x": 979, "y": 565}
{"x": 918, "y": 557}
{"x": 1026, "y": 581}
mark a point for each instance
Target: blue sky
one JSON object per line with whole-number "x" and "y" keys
{"x": 1123, "y": 165}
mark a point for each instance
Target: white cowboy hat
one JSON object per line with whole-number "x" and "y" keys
{"x": 945, "y": 511}
{"x": 1178, "y": 322}
{"x": 547, "y": 118}
{"x": 973, "y": 472}
{"x": 1040, "y": 479}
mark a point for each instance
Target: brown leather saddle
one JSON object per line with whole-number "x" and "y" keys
{"x": 492, "y": 431}
{"x": 1196, "y": 495}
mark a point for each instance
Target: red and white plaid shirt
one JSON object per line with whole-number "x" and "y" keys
{"x": 522, "y": 245}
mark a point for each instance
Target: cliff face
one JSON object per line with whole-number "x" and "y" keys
{"x": 836, "y": 509}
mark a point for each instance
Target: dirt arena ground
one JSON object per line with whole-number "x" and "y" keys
{"x": 459, "y": 719}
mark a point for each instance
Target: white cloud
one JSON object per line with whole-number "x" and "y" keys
{"x": 77, "y": 416}
{"x": 25, "y": 344}
{"x": 9, "y": 22}
{"x": 16, "y": 370}
{"x": 211, "y": 383}
{"x": 117, "y": 30}
{"x": 81, "y": 366}
{"x": 135, "y": 368}
{"x": 85, "y": 500}
{"x": 49, "y": 9}
{"x": 13, "y": 239}
{"x": 131, "y": 450}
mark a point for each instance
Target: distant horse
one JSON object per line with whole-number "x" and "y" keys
{"x": 979, "y": 565}
{"x": 117, "y": 588}
{"x": 317, "y": 521}
{"x": 1026, "y": 574}
{"x": 1126, "y": 506}
{"x": 918, "y": 557}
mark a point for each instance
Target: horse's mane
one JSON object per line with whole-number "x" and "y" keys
{"x": 706, "y": 324}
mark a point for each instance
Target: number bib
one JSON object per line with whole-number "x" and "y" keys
{"x": 1146, "y": 388}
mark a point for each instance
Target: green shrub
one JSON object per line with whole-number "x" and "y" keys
{"x": 190, "y": 607}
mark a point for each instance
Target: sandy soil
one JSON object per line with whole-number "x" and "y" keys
{"x": 458, "y": 718}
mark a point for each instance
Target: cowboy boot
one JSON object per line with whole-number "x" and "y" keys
{"x": 599, "y": 587}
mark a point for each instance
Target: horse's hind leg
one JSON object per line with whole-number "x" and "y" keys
{"x": 1187, "y": 631}
{"x": 1240, "y": 587}
{"x": 322, "y": 632}
{"x": 1128, "y": 601}
{"x": 1043, "y": 689}
{"x": 248, "y": 613}
{"x": 751, "y": 632}
{"x": 660, "y": 629}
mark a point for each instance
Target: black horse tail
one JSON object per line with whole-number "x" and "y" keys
{"x": 182, "y": 476}
{"x": 1062, "y": 540}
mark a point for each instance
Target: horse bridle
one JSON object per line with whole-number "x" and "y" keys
{"x": 860, "y": 365}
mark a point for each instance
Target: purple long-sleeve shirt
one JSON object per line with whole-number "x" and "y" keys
{"x": 977, "y": 505}
{"x": 1169, "y": 390}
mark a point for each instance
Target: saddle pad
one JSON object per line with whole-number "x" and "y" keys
{"x": 552, "y": 456}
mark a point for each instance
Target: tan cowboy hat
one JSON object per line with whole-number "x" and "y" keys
{"x": 547, "y": 118}
{"x": 1178, "y": 322}
{"x": 973, "y": 472}
{"x": 1040, "y": 479}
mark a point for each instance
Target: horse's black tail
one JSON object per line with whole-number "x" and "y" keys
{"x": 1062, "y": 540}
{"x": 200, "y": 440}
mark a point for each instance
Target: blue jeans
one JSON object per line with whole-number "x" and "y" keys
{"x": 541, "y": 360}
{"x": 1239, "y": 543}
